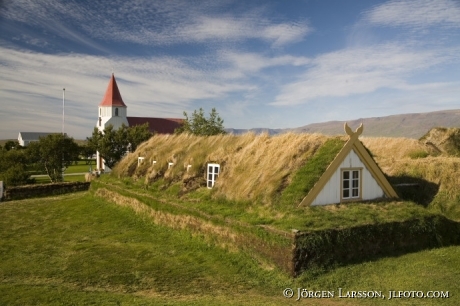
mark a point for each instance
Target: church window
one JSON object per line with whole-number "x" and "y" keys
{"x": 100, "y": 121}
{"x": 116, "y": 111}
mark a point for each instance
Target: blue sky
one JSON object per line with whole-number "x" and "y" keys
{"x": 273, "y": 64}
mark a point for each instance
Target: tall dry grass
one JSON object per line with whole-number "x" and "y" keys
{"x": 396, "y": 158}
{"x": 252, "y": 166}
{"x": 396, "y": 148}
{"x": 443, "y": 171}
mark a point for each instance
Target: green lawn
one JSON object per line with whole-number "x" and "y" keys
{"x": 67, "y": 178}
{"x": 78, "y": 249}
{"x": 81, "y": 167}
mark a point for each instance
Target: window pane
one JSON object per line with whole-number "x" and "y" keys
{"x": 355, "y": 183}
{"x": 355, "y": 193}
{"x": 210, "y": 176}
{"x": 346, "y": 175}
{"x": 346, "y": 184}
{"x": 216, "y": 169}
{"x": 209, "y": 168}
{"x": 209, "y": 184}
{"x": 346, "y": 193}
{"x": 355, "y": 174}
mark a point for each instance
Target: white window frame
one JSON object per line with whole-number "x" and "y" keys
{"x": 212, "y": 173}
{"x": 351, "y": 184}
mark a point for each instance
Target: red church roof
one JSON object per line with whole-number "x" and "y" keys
{"x": 112, "y": 95}
{"x": 157, "y": 125}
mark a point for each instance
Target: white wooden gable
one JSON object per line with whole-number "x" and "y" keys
{"x": 337, "y": 183}
{"x": 331, "y": 192}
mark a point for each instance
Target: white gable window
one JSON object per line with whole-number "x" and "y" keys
{"x": 213, "y": 173}
{"x": 351, "y": 184}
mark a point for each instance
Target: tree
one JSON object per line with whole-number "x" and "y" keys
{"x": 112, "y": 144}
{"x": 87, "y": 152}
{"x": 198, "y": 124}
{"x": 53, "y": 154}
{"x": 11, "y": 145}
{"x": 13, "y": 167}
{"x": 137, "y": 135}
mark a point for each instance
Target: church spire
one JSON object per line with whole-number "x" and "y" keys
{"x": 112, "y": 95}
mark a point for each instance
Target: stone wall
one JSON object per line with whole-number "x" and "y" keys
{"x": 40, "y": 190}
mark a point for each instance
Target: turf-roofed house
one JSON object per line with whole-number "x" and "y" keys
{"x": 288, "y": 169}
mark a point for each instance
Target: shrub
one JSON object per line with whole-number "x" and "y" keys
{"x": 15, "y": 175}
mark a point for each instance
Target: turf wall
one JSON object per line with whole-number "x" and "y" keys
{"x": 329, "y": 248}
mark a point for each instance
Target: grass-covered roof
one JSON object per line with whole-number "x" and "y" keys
{"x": 253, "y": 167}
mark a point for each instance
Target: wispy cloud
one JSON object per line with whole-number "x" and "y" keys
{"x": 416, "y": 13}
{"x": 234, "y": 29}
{"x": 157, "y": 86}
{"x": 153, "y": 22}
{"x": 357, "y": 71}
{"x": 250, "y": 64}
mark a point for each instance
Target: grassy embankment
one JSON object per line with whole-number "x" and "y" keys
{"x": 82, "y": 250}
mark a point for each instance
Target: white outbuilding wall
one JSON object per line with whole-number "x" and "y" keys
{"x": 331, "y": 192}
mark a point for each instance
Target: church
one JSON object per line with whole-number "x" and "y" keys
{"x": 113, "y": 111}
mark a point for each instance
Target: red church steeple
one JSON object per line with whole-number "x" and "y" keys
{"x": 112, "y": 95}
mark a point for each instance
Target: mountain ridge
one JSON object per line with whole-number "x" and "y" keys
{"x": 409, "y": 125}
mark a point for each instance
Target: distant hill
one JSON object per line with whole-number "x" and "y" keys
{"x": 257, "y": 131}
{"x": 405, "y": 125}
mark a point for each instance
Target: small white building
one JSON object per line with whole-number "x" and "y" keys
{"x": 24, "y": 138}
{"x": 351, "y": 177}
